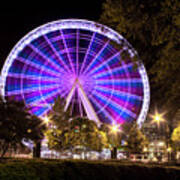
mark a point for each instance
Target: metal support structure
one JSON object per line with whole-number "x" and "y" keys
{"x": 91, "y": 114}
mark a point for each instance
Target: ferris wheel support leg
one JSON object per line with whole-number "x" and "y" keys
{"x": 91, "y": 114}
{"x": 70, "y": 95}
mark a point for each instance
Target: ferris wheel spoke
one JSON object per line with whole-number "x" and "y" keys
{"x": 35, "y": 98}
{"x": 31, "y": 88}
{"x": 87, "y": 52}
{"x": 114, "y": 105}
{"x": 44, "y": 112}
{"x": 109, "y": 114}
{"x": 40, "y": 100}
{"x": 57, "y": 55}
{"x": 67, "y": 51}
{"x": 119, "y": 93}
{"x": 43, "y": 90}
{"x": 45, "y": 56}
{"x": 42, "y": 46}
{"x": 101, "y": 108}
{"x": 106, "y": 96}
{"x": 49, "y": 96}
{"x": 95, "y": 58}
{"x": 114, "y": 70}
{"x": 33, "y": 77}
{"x": 123, "y": 81}
{"x": 100, "y": 66}
{"x": 39, "y": 67}
{"x": 39, "y": 111}
{"x": 77, "y": 51}
{"x": 62, "y": 53}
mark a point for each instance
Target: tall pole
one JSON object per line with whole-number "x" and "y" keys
{"x": 115, "y": 129}
{"x": 158, "y": 119}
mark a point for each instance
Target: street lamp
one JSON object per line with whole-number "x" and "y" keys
{"x": 114, "y": 130}
{"x": 145, "y": 149}
{"x": 158, "y": 118}
{"x": 46, "y": 120}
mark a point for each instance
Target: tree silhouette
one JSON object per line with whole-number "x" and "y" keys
{"x": 153, "y": 28}
{"x": 17, "y": 124}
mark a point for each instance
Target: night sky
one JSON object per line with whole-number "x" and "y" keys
{"x": 16, "y": 20}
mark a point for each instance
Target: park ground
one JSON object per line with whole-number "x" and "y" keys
{"x": 48, "y": 169}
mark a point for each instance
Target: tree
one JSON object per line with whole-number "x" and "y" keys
{"x": 136, "y": 140}
{"x": 67, "y": 133}
{"x": 114, "y": 137}
{"x": 176, "y": 138}
{"x": 16, "y": 125}
{"x": 58, "y": 125}
{"x": 175, "y": 143}
{"x": 130, "y": 133}
{"x": 58, "y": 115}
{"x": 85, "y": 132}
{"x": 153, "y": 28}
{"x": 81, "y": 133}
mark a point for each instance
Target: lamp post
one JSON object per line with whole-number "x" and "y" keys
{"x": 38, "y": 144}
{"x": 158, "y": 119}
{"x": 114, "y": 130}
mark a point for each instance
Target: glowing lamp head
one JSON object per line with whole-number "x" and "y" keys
{"x": 145, "y": 149}
{"x": 46, "y": 120}
{"x": 29, "y": 130}
{"x": 169, "y": 149}
{"x": 115, "y": 128}
{"x": 157, "y": 118}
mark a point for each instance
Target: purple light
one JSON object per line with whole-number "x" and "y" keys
{"x": 76, "y": 60}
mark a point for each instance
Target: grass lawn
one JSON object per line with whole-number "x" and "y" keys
{"x": 44, "y": 169}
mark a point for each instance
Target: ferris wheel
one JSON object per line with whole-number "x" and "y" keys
{"x": 78, "y": 61}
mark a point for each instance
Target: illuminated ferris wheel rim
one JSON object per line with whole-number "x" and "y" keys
{"x": 84, "y": 25}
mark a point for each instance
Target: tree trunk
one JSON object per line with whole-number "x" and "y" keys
{"x": 4, "y": 149}
{"x": 114, "y": 153}
{"x": 37, "y": 150}
{"x": 173, "y": 156}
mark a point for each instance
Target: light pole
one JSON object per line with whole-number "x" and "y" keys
{"x": 158, "y": 119}
{"x": 114, "y": 130}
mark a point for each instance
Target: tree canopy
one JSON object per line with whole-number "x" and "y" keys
{"x": 153, "y": 28}
{"x": 17, "y": 124}
{"x": 114, "y": 138}
{"x": 80, "y": 132}
{"x": 67, "y": 133}
{"x": 59, "y": 117}
{"x": 136, "y": 140}
{"x": 176, "y": 138}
